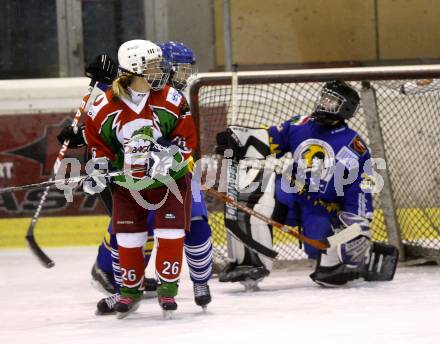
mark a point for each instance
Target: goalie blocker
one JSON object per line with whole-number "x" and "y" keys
{"x": 358, "y": 258}
{"x": 245, "y": 265}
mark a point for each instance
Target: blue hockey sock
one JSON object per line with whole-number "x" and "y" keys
{"x": 115, "y": 263}
{"x": 198, "y": 251}
{"x": 104, "y": 258}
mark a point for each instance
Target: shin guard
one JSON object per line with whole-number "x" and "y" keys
{"x": 169, "y": 244}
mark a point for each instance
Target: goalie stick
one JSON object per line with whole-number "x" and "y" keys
{"x": 345, "y": 235}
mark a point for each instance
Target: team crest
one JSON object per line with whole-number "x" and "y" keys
{"x": 316, "y": 159}
{"x": 358, "y": 146}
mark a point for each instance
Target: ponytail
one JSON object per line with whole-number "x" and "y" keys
{"x": 120, "y": 86}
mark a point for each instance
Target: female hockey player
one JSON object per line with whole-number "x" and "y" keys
{"x": 141, "y": 124}
{"x": 198, "y": 247}
{"x": 328, "y": 187}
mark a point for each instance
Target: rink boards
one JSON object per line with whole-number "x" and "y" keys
{"x": 89, "y": 230}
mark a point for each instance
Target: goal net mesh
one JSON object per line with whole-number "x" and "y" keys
{"x": 410, "y": 126}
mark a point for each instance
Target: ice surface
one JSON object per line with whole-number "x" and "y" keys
{"x": 57, "y": 306}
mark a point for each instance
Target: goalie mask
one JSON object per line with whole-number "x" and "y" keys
{"x": 183, "y": 63}
{"x": 337, "y": 102}
{"x": 144, "y": 58}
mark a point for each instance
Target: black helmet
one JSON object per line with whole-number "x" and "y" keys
{"x": 338, "y": 101}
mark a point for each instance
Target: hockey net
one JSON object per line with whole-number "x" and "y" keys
{"x": 399, "y": 118}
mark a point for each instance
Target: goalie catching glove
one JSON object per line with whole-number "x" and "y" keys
{"x": 244, "y": 142}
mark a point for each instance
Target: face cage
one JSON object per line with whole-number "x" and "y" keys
{"x": 156, "y": 73}
{"x": 330, "y": 102}
{"x": 182, "y": 72}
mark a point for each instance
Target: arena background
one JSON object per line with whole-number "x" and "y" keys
{"x": 57, "y": 38}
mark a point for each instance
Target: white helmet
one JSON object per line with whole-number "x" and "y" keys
{"x": 144, "y": 58}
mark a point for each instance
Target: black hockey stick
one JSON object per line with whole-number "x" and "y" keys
{"x": 30, "y": 234}
{"x": 102, "y": 69}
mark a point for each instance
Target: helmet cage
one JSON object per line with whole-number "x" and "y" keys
{"x": 182, "y": 72}
{"x": 156, "y": 73}
{"x": 330, "y": 102}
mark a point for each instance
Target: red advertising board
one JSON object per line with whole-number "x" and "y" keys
{"x": 28, "y": 149}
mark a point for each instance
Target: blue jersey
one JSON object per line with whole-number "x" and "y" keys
{"x": 343, "y": 182}
{"x": 331, "y": 171}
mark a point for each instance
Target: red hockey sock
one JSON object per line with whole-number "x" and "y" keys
{"x": 169, "y": 259}
{"x": 132, "y": 264}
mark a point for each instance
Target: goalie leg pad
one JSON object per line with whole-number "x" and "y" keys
{"x": 381, "y": 263}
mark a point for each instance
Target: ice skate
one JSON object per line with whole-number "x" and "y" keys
{"x": 168, "y": 305}
{"x": 166, "y": 293}
{"x": 125, "y": 306}
{"x": 202, "y": 294}
{"x": 102, "y": 281}
{"x": 106, "y": 306}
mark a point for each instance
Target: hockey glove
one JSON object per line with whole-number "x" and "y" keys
{"x": 75, "y": 135}
{"x": 98, "y": 178}
{"x": 103, "y": 69}
{"x": 162, "y": 156}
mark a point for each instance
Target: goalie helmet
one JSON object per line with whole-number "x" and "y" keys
{"x": 182, "y": 60}
{"x": 337, "y": 101}
{"x": 144, "y": 58}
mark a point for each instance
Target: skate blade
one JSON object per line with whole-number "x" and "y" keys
{"x": 120, "y": 315}
{"x": 167, "y": 314}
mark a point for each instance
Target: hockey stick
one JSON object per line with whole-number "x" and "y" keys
{"x": 73, "y": 180}
{"x": 345, "y": 235}
{"x": 30, "y": 234}
{"x": 102, "y": 69}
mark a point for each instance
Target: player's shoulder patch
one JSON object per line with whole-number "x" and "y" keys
{"x": 358, "y": 146}
{"x": 100, "y": 101}
{"x": 173, "y": 96}
{"x": 299, "y": 119}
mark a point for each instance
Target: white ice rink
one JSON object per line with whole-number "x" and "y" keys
{"x": 57, "y": 306}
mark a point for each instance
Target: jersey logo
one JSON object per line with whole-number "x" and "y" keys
{"x": 358, "y": 146}
{"x": 316, "y": 164}
{"x": 98, "y": 104}
{"x": 300, "y": 120}
{"x": 174, "y": 97}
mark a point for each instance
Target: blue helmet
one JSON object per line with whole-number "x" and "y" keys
{"x": 182, "y": 60}
{"x": 177, "y": 52}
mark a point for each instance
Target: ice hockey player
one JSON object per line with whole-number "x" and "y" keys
{"x": 145, "y": 126}
{"x": 198, "y": 247}
{"x": 328, "y": 188}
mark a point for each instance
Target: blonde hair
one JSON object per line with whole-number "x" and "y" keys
{"x": 120, "y": 86}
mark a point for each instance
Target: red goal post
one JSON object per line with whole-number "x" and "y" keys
{"x": 399, "y": 118}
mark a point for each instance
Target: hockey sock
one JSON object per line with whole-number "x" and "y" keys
{"x": 198, "y": 251}
{"x": 104, "y": 258}
{"x": 169, "y": 244}
{"x": 132, "y": 262}
{"x": 115, "y": 263}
